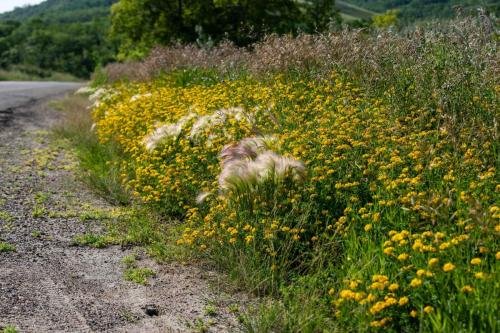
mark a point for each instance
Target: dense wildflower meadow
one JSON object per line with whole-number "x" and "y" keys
{"x": 355, "y": 203}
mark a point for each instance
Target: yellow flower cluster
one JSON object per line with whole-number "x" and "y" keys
{"x": 418, "y": 193}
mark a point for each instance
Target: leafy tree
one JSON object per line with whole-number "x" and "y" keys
{"x": 140, "y": 24}
{"x": 386, "y": 20}
{"x": 57, "y": 35}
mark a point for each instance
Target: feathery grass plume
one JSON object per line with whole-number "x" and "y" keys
{"x": 85, "y": 91}
{"x": 97, "y": 95}
{"x": 247, "y": 148}
{"x": 271, "y": 165}
{"x": 204, "y": 122}
{"x": 250, "y": 162}
{"x": 139, "y": 96}
{"x": 238, "y": 113}
{"x": 201, "y": 197}
{"x": 217, "y": 118}
{"x": 152, "y": 140}
{"x": 237, "y": 176}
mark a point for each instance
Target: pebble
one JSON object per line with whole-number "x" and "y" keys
{"x": 151, "y": 310}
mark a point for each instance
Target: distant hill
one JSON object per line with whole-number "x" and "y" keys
{"x": 68, "y": 36}
{"x": 418, "y": 10}
{"x": 351, "y": 12}
{"x": 62, "y": 11}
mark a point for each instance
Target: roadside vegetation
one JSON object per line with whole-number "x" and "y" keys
{"x": 349, "y": 179}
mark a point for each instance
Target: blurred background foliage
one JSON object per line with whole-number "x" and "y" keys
{"x": 78, "y": 36}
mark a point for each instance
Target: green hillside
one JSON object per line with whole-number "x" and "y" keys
{"x": 351, "y": 12}
{"x": 417, "y": 10}
{"x": 65, "y": 11}
{"x": 68, "y": 36}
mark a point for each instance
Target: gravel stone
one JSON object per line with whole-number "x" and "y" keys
{"x": 49, "y": 285}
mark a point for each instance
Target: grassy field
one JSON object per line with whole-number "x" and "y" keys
{"x": 348, "y": 179}
{"x": 350, "y": 12}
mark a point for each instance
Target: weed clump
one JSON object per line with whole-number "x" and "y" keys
{"x": 6, "y": 247}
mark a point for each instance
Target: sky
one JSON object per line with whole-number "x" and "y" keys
{"x": 8, "y": 5}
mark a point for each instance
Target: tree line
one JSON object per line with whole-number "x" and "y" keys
{"x": 77, "y": 36}
{"x": 140, "y": 24}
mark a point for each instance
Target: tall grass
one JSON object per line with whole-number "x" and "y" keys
{"x": 394, "y": 225}
{"x": 442, "y": 65}
{"x": 94, "y": 157}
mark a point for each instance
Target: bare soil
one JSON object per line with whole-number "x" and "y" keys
{"x": 50, "y": 285}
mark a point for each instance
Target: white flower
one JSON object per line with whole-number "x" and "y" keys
{"x": 101, "y": 95}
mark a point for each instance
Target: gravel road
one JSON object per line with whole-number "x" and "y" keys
{"x": 49, "y": 285}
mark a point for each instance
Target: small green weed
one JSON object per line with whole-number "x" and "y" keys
{"x": 94, "y": 214}
{"x": 93, "y": 240}
{"x": 129, "y": 316}
{"x": 233, "y": 308}
{"x": 210, "y": 310}
{"x": 9, "y": 329}
{"x": 39, "y": 209}
{"x": 139, "y": 275}
{"x": 130, "y": 260}
{"x": 41, "y": 197}
{"x": 198, "y": 325}
{"x": 6, "y": 247}
{"x": 6, "y": 216}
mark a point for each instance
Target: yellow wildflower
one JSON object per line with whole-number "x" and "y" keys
{"x": 428, "y": 309}
{"x": 403, "y": 301}
{"x": 403, "y": 256}
{"x": 475, "y": 261}
{"x": 388, "y": 250}
{"x": 433, "y": 261}
{"x": 393, "y": 287}
{"x": 448, "y": 267}
{"x": 347, "y": 294}
{"x": 353, "y": 284}
{"x": 416, "y": 282}
{"x": 467, "y": 289}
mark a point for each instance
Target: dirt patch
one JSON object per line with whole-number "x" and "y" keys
{"x": 50, "y": 285}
